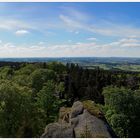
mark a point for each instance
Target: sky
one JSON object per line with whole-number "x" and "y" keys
{"x": 52, "y": 29}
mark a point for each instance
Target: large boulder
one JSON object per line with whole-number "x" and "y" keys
{"x": 82, "y": 120}
{"x": 58, "y": 130}
{"x": 76, "y": 109}
{"x": 90, "y": 126}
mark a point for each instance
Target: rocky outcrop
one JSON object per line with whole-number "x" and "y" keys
{"x": 77, "y": 122}
{"x": 76, "y": 109}
{"x": 58, "y": 130}
{"x": 90, "y": 126}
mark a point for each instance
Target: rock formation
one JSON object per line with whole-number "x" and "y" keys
{"x": 78, "y": 122}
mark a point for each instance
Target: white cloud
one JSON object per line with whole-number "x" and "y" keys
{"x": 13, "y": 24}
{"x": 126, "y": 42}
{"x": 41, "y": 43}
{"x": 21, "y": 32}
{"x": 123, "y": 47}
{"x": 78, "y": 15}
{"x": 70, "y": 22}
{"x": 105, "y": 28}
{"x": 92, "y": 39}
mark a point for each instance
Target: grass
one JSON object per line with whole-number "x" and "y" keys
{"x": 93, "y": 108}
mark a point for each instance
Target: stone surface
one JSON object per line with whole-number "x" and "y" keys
{"x": 74, "y": 121}
{"x": 90, "y": 126}
{"x": 57, "y": 130}
{"x": 76, "y": 109}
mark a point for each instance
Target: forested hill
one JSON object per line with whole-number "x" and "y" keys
{"x": 107, "y": 63}
{"x": 78, "y": 60}
{"x": 31, "y": 95}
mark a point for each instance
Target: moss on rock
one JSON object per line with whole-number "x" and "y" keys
{"x": 93, "y": 108}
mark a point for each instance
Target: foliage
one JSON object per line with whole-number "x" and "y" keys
{"x": 28, "y": 99}
{"x": 40, "y": 76}
{"x": 122, "y": 110}
{"x": 32, "y": 93}
{"x": 47, "y": 101}
{"x": 15, "y": 106}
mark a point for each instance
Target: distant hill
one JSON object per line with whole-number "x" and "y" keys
{"x": 76, "y": 59}
{"x": 107, "y": 63}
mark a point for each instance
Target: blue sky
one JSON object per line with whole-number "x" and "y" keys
{"x": 69, "y": 29}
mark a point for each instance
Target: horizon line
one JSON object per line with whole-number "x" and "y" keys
{"x": 71, "y": 57}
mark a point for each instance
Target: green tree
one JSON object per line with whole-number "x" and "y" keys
{"x": 14, "y": 108}
{"x": 48, "y": 101}
{"x": 40, "y": 76}
{"x": 122, "y": 110}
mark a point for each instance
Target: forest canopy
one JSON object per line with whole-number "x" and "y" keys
{"x": 31, "y": 95}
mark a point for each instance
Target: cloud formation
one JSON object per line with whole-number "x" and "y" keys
{"x": 13, "y": 24}
{"x": 92, "y": 39}
{"x": 105, "y": 28}
{"x": 67, "y": 30}
{"x": 116, "y": 48}
{"x": 21, "y": 32}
